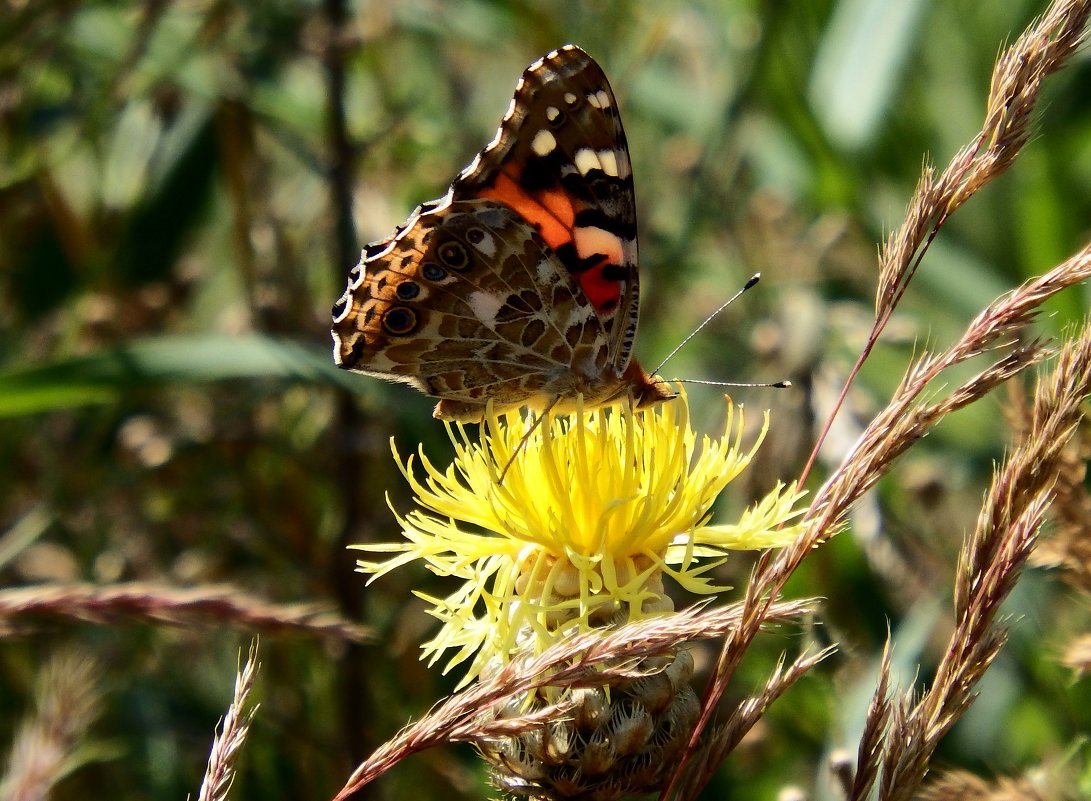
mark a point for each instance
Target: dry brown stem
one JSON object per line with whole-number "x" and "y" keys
{"x": 1078, "y": 655}
{"x": 1017, "y": 78}
{"x": 1067, "y": 545}
{"x": 724, "y": 738}
{"x": 989, "y": 568}
{"x": 905, "y": 420}
{"x": 161, "y": 603}
{"x": 231, "y": 734}
{"x": 869, "y": 753}
{"x": 966, "y": 787}
{"x": 45, "y": 745}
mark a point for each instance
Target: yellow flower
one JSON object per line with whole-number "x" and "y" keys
{"x": 594, "y": 509}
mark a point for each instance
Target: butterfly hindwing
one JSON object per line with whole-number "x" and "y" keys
{"x": 472, "y": 304}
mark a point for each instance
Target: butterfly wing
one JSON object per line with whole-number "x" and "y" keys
{"x": 520, "y": 284}
{"x": 467, "y": 305}
{"x": 560, "y": 159}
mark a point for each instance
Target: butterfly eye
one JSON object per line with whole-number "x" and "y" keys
{"x": 400, "y": 321}
{"x": 407, "y": 290}
{"x": 453, "y": 255}
{"x": 432, "y": 271}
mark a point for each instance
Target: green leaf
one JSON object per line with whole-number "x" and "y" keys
{"x": 104, "y": 376}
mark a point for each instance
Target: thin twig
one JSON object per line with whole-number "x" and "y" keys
{"x": 1018, "y": 75}
{"x": 1017, "y": 78}
{"x": 870, "y": 750}
{"x": 989, "y": 568}
{"x": 723, "y": 740}
{"x": 69, "y": 701}
{"x": 231, "y": 733}
{"x": 161, "y": 603}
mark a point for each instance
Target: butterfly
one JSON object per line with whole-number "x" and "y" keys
{"x": 520, "y": 285}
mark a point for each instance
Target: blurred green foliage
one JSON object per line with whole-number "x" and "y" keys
{"x": 171, "y": 245}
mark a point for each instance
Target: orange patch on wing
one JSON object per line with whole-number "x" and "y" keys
{"x": 560, "y": 206}
{"x": 552, "y": 212}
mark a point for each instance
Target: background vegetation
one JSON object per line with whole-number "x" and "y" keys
{"x": 183, "y": 188}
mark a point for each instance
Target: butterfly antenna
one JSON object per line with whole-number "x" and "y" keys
{"x": 753, "y": 280}
{"x": 538, "y": 419}
{"x": 782, "y": 384}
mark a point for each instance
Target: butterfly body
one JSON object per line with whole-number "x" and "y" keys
{"x": 520, "y": 285}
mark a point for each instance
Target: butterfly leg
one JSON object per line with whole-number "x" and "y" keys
{"x": 459, "y": 411}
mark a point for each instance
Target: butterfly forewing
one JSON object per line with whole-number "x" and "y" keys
{"x": 560, "y": 158}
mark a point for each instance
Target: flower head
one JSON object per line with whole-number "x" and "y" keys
{"x": 594, "y": 509}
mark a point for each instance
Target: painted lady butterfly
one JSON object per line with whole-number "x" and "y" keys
{"x": 520, "y": 284}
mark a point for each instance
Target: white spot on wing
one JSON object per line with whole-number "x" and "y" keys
{"x": 603, "y": 99}
{"x": 552, "y": 112}
{"x": 593, "y": 99}
{"x": 545, "y": 272}
{"x": 487, "y": 246}
{"x": 578, "y": 315}
{"x": 471, "y": 168}
{"x": 606, "y": 160}
{"x": 586, "y": 160}
{"x": 485, "y": 306}
{"x": 543, "y": 143}
{"x": 569, "y": 98}
{"x": 609, "y": 162}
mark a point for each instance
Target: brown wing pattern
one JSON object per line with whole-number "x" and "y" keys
{"x": 471, "y": 304}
